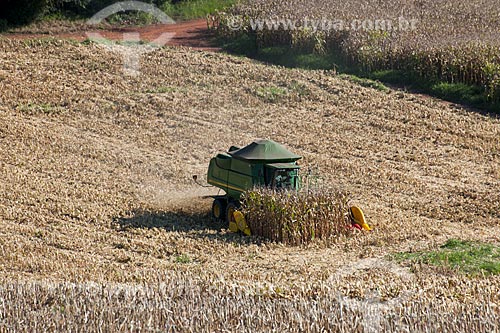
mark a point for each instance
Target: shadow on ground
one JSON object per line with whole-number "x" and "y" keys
{"x": 199, "y": 225}
{"x": 177, "y": 220}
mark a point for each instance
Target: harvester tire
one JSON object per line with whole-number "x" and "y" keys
{"x": 218, "y": 209}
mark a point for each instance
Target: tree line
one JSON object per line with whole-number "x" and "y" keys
{"x": 20, "y": 12}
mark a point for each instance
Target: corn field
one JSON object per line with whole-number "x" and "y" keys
{"x": 296, "y": 217}
{"x": 102, "y": 229}
{"x": 450, "y": 41}
{"x": 182, "y": 304}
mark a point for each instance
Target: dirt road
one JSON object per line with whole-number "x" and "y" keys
{"x": 193, "y": 34}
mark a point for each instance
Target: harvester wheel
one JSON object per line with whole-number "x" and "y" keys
{"x": 218, "y": 209}
{"x": 231, "y": 221}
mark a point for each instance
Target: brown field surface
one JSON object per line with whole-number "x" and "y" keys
{"x": 102, "y": 228}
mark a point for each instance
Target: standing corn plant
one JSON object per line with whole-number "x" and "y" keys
{"x": 442, "y": 44}
{"x": 295, "y": 218}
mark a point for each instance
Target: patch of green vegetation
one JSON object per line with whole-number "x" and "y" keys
{"x": 281, "y": 56}
{"x": 246, "y": 45}
{"x": 299, "y": 88}
{"x": 33, "y": 108}
{"x": 453, "y": 92}
{"x": 192, "y": 9}
{"x": 395, "y": 77}
{"x": 132, "y": 18}
{"x": 313, "y": 61}
{"x": 471, "y": 258}
{"x": 369, "y": 83}
{"x": 162, "y": 90}
{"x": 459, "y": 92}
{"x": 55, "y": 16}
{"x": 242, "y": 45}
{"x": 109, "y": 42}
{"x": 271, "y": 94}
{"x": 182, "y": 259}
{"x": 296, "y": 59}
{"x": 30, "y": 42}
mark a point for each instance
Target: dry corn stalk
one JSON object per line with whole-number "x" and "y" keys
{"x": 456, "y": 45}
{"x": 296, "y": 217}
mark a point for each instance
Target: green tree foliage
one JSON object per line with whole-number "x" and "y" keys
{"x": 88, "y": 8}
{"x": 18, "y": 12}
{"x": 21, "y": 12}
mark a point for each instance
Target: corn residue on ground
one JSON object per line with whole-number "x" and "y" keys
{"x": 98, "y": 210}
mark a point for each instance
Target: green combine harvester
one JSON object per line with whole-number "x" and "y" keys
{"x": 261, "y": 163}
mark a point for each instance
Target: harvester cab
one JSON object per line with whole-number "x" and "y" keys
{"x": 282, "y": 176}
